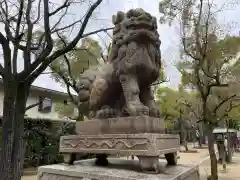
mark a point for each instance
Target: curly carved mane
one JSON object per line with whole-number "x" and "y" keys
{"x": 136, "y": 44}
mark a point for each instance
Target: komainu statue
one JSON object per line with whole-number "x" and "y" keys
{"x": 121, "y": 87}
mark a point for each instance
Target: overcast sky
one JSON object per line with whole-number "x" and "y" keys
{"x": 168, "y": 35}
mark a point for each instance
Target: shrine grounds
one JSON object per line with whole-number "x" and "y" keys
{"x": 201, "y": 157}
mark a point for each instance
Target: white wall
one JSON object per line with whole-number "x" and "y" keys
{"x": 33, "y": 112}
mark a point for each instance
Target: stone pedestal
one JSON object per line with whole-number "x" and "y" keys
{"x": 121, "y": 125}
{"x": 139, "y": 136}
{"x": 118, "y": 169}
{"x": 148, "y": 144}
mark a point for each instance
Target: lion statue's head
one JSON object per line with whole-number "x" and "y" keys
{"x": 136, "y": 44}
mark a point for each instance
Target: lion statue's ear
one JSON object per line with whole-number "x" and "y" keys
{"x": 118, "y": 18}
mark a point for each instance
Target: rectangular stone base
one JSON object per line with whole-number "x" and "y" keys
{"x": 146, "y": 144}
{"x": 118, "y": 169}
{"x": 121, "y": 125}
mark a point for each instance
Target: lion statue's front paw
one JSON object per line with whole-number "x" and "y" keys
{"x": 106, "y": 113}
{"x": 135, "y": 109}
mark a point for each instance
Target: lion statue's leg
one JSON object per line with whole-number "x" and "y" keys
{"x": 147, "y": 98}
{"x": 131, "y": 93}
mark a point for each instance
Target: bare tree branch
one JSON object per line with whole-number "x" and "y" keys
{"x": 198, "y": 78}
{"x": 223, "y": 102}
{"x": 205, "y": 41}
{"x": 58, "y": 53}
{"x": 38, "y": 13}
{"x": 27, "y": 50}
{"x": 229, "y": 109}
{"x": 17, "y": 38}
{"x": 47, "y": 50}
{"x": 190, "y": 106}
{"x": 32, "y": 105}
{"x": 6, "y": 20}
{"x": 197, "y": 34}
{"x": 49, "y": 72}
{"x": 64, "y": 5}
{"x": 6, "y": 54}
{"x": 68, "y": 66}
{"x": 1, "y": 70}
{"x": 59, "y": 20}
{"x": 97, "y": 31}
{"x": 48, "y": 37}
{"x": 159, "y": 82}
{"x": 66, "y": 27}
{"x": 185, "y": 49}
{"x": 68, "y": 84}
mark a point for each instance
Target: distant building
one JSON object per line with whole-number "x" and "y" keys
{"x": 46, "y": 100}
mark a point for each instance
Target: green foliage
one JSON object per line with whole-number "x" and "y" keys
{"x": 209, "y": 63}
{"x": 42, "y": 141}
{"x": 207, "y": 60}
{"x": 68, "y": 68}
{"x": 65, "y": 110}
{"x": 168, "y": 103}
{"x": 176, "y": 106}
{"x": 81, "y": 58}
{"x": 170, "y": 10}
{"x": 220, "y": 58}
{"x": 162, "y": 76}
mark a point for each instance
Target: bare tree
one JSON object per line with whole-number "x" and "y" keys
{"x": 21, "y": 20}
{"x": 208, "y": 59}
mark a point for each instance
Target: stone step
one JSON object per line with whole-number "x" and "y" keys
{"x": 118, "y": 169}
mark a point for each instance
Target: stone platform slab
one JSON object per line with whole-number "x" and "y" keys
{"x": 118, "y": 169}
{"x": 146, "y": 144}
{"x": 121, "y": 125}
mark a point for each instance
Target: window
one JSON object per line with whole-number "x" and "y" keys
{"x": 45, "y": 105}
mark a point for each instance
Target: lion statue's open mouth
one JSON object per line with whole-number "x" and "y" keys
{"x": 122, "y": 86}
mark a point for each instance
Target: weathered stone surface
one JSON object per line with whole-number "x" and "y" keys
{"x": 122, "y": 86}
{"x": 125, "y": 125}
{"x": 118, "y": 169}
{"x": 147, "y": 144}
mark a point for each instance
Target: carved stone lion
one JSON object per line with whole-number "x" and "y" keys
{"x": 121, "y": 87}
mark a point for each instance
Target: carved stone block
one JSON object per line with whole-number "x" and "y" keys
{"x": 146, "y": 144}
{"x": 121, "y": 125}
{"x": 119, "y": 169}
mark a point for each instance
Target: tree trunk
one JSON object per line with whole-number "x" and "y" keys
{"x": 185, "y": 141}
{"x": 186, "y": 146}
{"x": 201, "y": 132}
{"x": 222, "y": 154}
{"x": 12, "y": 154}
{"x": 80, "y": 115}
{"x": 213, "y": 158}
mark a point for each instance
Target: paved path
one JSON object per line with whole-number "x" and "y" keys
{"x": 29, "y": 178}
{"x": 232, "y": 172}
{"x": 233, "y": 169}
